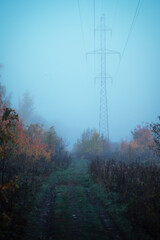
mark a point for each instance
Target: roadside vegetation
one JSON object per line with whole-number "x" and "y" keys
{"x": 28, "y": 156}
{"x": 130, "y": 174}
{"x": 107, "y": 191}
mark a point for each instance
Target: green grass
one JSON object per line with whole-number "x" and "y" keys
{"x": 73, "y": 215}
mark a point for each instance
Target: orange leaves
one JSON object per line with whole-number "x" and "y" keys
{"x": 140, "y": 144}
{"x": 133, "y": 144}
{"x": 21, "y": 140}
{"x": 142, "y": 136}
{"x": 27, "y": 156}
{"x": 39, "y": 150}
{"x": 142, "y": 139}
{"x": 32, "y": 146}
{"x": 14, "y": 137}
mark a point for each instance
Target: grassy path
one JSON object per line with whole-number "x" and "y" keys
{"x": 72, "y": 208}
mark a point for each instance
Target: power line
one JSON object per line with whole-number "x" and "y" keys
{"x": 138, "y": 7}
{"x": 81, "y": 23}
{"x": 132, "y": 25}
{"x": 94, "y": 23}
{"x": 94, "y": 17}
{"x": 115, "y": 13}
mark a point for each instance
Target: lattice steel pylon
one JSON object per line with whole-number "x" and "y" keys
{"x": 104, "y": 76}
{"x": 103, "y": 109}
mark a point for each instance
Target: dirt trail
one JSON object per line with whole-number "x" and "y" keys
{"x": 108, "y": 224}
{"x": 71, "y": 211}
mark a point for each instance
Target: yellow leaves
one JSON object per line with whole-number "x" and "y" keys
{"x": 133, "y": 144}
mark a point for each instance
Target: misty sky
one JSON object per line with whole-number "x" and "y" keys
{"x": 43, "y": 46}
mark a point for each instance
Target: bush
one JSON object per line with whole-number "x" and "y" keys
{"x": 138, "y": 187}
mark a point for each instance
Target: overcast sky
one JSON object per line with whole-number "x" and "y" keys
{"x": 43, "y": 46}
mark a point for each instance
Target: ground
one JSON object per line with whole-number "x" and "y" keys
{"x": 72, "y": 209}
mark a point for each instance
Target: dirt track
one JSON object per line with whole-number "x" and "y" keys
{"x": 70, "y": 209}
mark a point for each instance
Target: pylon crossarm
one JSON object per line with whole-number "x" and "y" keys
{"x": 107, "y": 77}
{"x": 94, "y": 52}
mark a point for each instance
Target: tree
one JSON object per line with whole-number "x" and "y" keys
{"x": 26, "y": 108}
{"x": 142, "y": 137}
{"x": 91, "y": 145}
{"x": 8, "y": 120}
{"x": 156, "y": 136}
{"x": 139, "y": 148}
{"x": 5, "y": 99}
{"x": 52, "y": 141}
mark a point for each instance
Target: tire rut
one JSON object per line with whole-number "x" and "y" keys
{"x": 70, "y": 210}
{"x": 46, "y": 215}
{"x": 41, "y": 229}
{"x": 107, "y": 223}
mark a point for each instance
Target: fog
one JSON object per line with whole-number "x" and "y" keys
{"x": 44, "y": 46}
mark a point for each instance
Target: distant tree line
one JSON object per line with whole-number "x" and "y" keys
{"x": 143, "y": 147}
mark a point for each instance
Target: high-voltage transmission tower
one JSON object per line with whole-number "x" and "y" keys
{"x": 104, "y": 76}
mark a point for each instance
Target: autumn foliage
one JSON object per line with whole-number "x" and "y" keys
{"x": 91, "y": 144}
{"x": 131, "y": 177}
{"x": 27, "y": 156}
{"x": 140, "y": 148}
